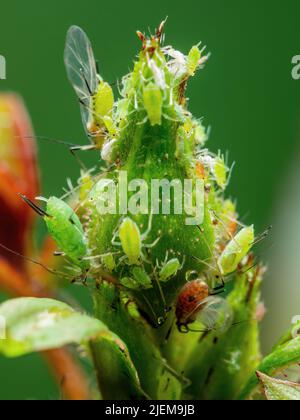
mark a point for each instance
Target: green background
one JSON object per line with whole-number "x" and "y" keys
{"x": 245, "y": 93}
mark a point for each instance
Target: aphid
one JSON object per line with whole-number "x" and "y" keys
{"x": 153, "y": 102}
{"x": 231, "y": 256}
{"x": 169, "y": 269}
{"x": 132, "y": 240}
{"x": 229, "y": 217}
{"x": 151, "y": 44}
{"x": 196, "y": 302}
{"x": 193, "y": 60}
{"x": 95, "y": 96}
{"x": 65, "y": 228}
{"x": 108, "y": 262}
{"x": 236, "y": 249}
{"x": 217, "y": 167}
{"x": 139, "y": 280}
{"x": 220, "y": 172}
{"x": 142, "y": 278}
{"x": 200, "y": 171}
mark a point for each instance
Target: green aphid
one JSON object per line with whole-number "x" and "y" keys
{"x": 153, "y": 102}
{"x": 131, "y": 241}
{"x": 169, "y": 269}
{"x": 142, "y": 278}
{"x": 109, "y": 262}
{"x": 220, "y": 172}
{"x": 236, "y": 250}
{"x": 139, "y": 280}
{"x": 193, "y": 59}
{"x": 66, "y": 229}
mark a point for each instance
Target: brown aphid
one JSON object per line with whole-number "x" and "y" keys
{"x": 190, "y": 302}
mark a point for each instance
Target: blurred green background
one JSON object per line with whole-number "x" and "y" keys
{"x": 245, "y": 93}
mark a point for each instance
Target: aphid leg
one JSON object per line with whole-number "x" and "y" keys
{"x": 58, "y": 254}
{"x": 143, "y": 121}
{"x": 151, "y": 309}
{"x": 169, "y": 332}
{"x": 218, "y": 290}
{"x": 114, "y": 242}
{"x": 153, "y": 243}
{"x": 149, "y": 228}
{"x": 73, "y": 151}
{"x": 163, "y": 299}
{"x": 207, "y": 330}
{"x": 183, "y": 329}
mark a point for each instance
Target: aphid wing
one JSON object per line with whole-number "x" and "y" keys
{"x": 86, "y": 114}
{"x": 216, "y": 314}
{"x": 80, "y": 63}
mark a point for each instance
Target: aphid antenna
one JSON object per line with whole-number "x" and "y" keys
{"x": 157, "y": 318}
{"x": 34, "y": 207}
{"x": 50, "y": 140}
{"x": 230, "y": 173}
{"x": 262, "y": 236}
{"x": 203, "y": 262}
{"x": 214, "y": 269}
{"x": 73, "y": 147}
{"x": 163, "y": 299}
{"x": 31, "y": 260}
{"x": 219, "y": 218}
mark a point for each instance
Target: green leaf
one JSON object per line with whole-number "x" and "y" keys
{"x": 121, "y": 315}
{"x": 291, "y": 333}
{"x": 117, "y": 376}
{"x": 283, "y": 356}
{"x": 275, "y": 389}
{"x": 221, "y": 363}
{"x": 34, "y": 324}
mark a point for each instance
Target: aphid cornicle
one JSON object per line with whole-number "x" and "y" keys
{"x": 95, "y": 96}
{"x": 66, "y": 229}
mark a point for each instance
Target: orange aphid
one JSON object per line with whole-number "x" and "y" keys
{"x": 232, "y": 227}
{"x": 200, "y": 171}
{"x": 190, "y": 302}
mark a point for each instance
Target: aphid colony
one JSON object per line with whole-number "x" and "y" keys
{"x": 154, "y": 93}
